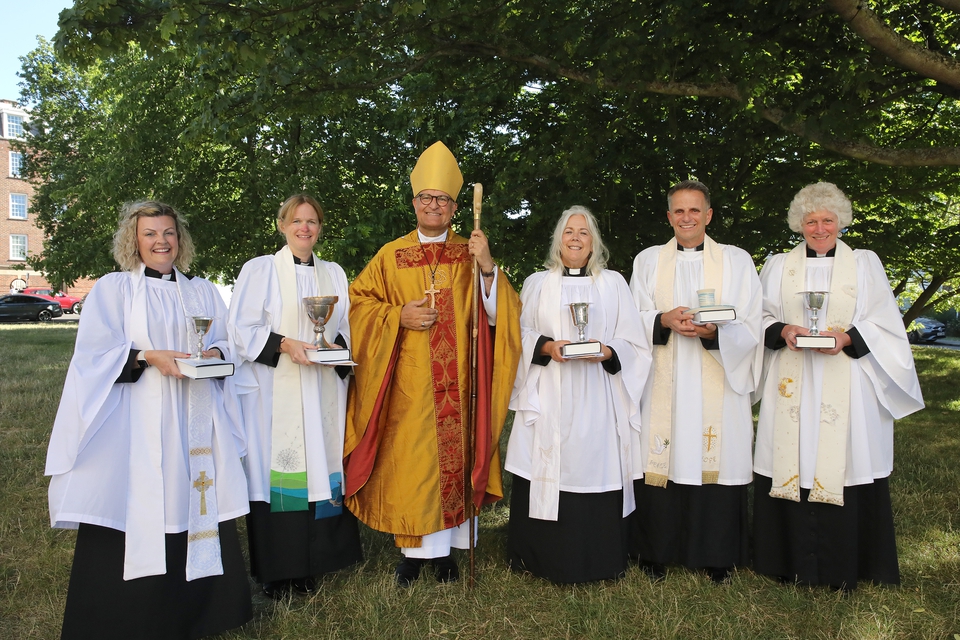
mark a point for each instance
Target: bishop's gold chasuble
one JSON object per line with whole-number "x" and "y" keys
{"x": 407, "y": 426}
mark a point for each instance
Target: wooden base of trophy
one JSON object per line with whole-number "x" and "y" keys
{"x": 816, "y": 342}
{"x": 581, "y": 350}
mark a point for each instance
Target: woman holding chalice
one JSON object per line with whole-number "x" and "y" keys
{"x": 824, "y": 450}
{"x": 145, "y": 462}
{"x": 293, "y": 409}
{"x": 577, "y": 413}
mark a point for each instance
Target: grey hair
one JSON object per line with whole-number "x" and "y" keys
{"x": 125, "y": 248}
{"x": 820, "y": 196}
{"x": 597, "y": 261}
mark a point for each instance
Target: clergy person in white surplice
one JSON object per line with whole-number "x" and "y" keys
{"x": 145, "y": 462}
{"x": 293, "y": 409}
{"x": 577, "y": 424}
{"x": 697, "y": 432}
{"x": 822, "y": 512}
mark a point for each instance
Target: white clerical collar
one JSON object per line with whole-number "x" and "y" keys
{"x": 427, "y": 239}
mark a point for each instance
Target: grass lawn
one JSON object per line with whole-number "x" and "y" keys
{"x": 364, "y": 603}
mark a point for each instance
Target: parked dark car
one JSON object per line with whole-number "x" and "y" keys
{"x": 20, "y": 306}
{"x": 927, "y": 330}
{"x": 69, "y": 304}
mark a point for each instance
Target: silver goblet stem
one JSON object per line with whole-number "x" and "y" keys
{"x": 201, "y": 325}
{"x": 580, "y": 313}
{"x": 319, "y": 309}
{"x": 814, "y": 301}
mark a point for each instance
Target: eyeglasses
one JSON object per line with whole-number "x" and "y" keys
{"x": 426, "y": 199}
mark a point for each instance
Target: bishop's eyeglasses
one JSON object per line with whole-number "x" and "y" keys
{"x": 442, "y": 200}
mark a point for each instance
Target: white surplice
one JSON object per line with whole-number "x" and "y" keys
{"x": 739, "y": 355}
{"x": 883, "y": 384}
{"x": 255, "y": 310}
{"x": 94, "y": 466}
{"x": 593, "y": 415}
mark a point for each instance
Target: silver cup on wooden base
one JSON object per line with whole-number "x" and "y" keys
{"x": 814, "y": 301}
{"x": 581, "y": 348}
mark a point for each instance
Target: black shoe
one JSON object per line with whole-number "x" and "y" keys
{"x": 446, "y": 569}
{"x": 408, "y": 570}
{"x": 719, "y": 575}
{"x": 654, "y": 570}
{"x": 276, "y": 590}
{"x": 306, "y": 586}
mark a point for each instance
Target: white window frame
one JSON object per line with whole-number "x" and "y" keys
{"x": 26, "y": 207}
{"x": 19, "y": 125}
{"x": 16, "y": 164}
{"x": 18, "y": 241}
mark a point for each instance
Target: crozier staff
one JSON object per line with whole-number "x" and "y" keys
{"x": 406, "y": 439}
{"x": 577, "y": 421}
{"x": 145, "y": 461}
{"x": 824, "y": 451}
{"x": 293, "y": 409}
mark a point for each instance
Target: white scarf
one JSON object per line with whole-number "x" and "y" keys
{"x": 712, "y": 375}
{"x": 144, "y": 552}
{"x": 835, "y": 401}
{"x": 288, "y": 449}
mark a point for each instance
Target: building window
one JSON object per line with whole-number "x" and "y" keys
{"x": 18, "y": 247}
{"x": 18, "y": 206}
{"x": 14, "y": 126}
{"x": 16, "y": 164}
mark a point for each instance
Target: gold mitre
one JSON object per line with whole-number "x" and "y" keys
{"x": 437, "y": 169}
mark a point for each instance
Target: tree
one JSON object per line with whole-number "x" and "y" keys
{"x": 548, "y": 104}
{"x": 794, "y": 64}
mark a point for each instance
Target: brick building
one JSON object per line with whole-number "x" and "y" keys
{"x": 19, "y": 235}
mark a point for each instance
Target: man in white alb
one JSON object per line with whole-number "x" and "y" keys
{"x": 697, "y": 425}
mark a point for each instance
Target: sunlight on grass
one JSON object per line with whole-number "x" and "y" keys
{"x": 364, "y": 603}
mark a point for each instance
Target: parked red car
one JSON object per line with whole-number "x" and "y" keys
{"x": 69, "y": 304}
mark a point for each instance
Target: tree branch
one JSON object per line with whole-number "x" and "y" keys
{"x": 907, "y": 54}
{"x": 952, "y": 5}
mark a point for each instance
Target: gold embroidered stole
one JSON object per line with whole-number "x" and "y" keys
{"x": 657, "y": 471}
{"x": 834, "y": 408}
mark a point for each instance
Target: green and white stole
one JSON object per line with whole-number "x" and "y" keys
{"x": 657, "y": 471}
{"x": 288, "y": 458}
{"x": 835, "y": 401}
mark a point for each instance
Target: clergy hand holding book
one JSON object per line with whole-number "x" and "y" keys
{"x": 554, "y": 349}
{"x": 166, "y": 361}
{"x": 681, "y": 320}
{"x": 791, "y": 332}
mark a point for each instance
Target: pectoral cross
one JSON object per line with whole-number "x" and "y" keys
{"x": 432, "y": 292}
{"x": 710, "y": 435}
{"x": 201, "y": 484}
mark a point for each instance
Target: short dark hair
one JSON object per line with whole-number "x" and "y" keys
{"x": 689, "y": 185}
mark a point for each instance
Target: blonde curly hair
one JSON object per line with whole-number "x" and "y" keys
{"x": 125, "y": 250}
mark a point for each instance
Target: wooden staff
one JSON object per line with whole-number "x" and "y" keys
{"x": 469, "y": 507}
